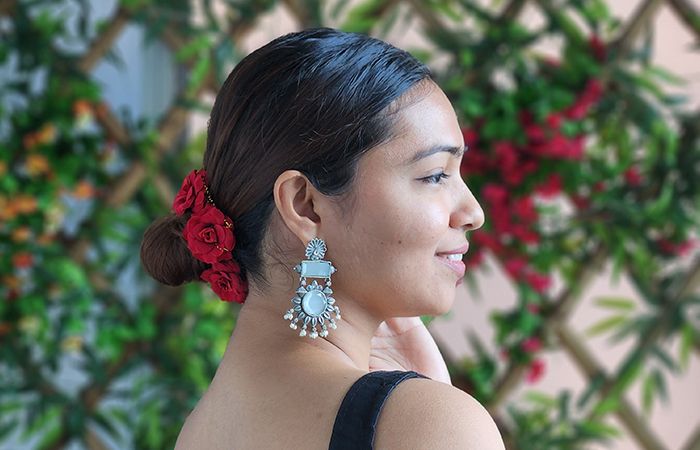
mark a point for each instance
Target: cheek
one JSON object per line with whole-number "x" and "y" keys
{"x": 404, "y": 223}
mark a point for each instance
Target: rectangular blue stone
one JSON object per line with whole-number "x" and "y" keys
{"x": 315, "y": 269}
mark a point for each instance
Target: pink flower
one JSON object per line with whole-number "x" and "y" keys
{"x": 585, "y": 101}
{"x": 475, "y": 259}
{"x": 515, "y": 267}
{"x": 535, "y": 371}
{"x": 524, "y": 208}
{"x": 525, "y": 234}
{"x": 678, "y": 249}
{"x": 487, "y": 240}
{"x": 531, "y": 345}
{"x": 535, "y": 133}
{"x": 581, "y": 201}
{"x": 551, "y": 187}
{"x": 540, "y": 283}
{"x": 597, "y": 47}
{"x": 500, "y": 218}
{"x": 474, "y": 162}
{"x": 554, "y": 120}
{"x": 533, "y": 308}
{"x": 495, "y": 194}
{"x": 470, "y": 136}
{"x": 633, "y": 177}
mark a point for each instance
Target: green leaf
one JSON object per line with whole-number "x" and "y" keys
{"x": 195, "y": 46}
{"x": 71, "y": 274}
{"x": 609, "y": 404}
{"x": 615, "y": 303}
{"x": 664, "y": 358}
{"x": 686, "y": 344}
{"x": 666, "y": 76}
{"x": 541, "y": 399}
{"x": 648, "y": 387}
{"x": 47, "y": 418}
{"x": 660, "y": 384}
{"x": 362, "y": 17}
{"x": 596, "y": 10}
{"x": 600, "y": 429}
{"x": 606, "y": 325}
{"x": 660, "y": 206}
{"x": 198, "y": 74}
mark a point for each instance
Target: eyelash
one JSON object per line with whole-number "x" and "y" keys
{"x": 435, "y": 179}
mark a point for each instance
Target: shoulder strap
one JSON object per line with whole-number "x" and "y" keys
{"x": 358, "y": 414}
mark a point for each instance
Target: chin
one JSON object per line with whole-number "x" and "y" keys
{"x": 441, "y": 304}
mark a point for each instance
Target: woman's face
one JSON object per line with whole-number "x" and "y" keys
{"x": 408, "y": 210}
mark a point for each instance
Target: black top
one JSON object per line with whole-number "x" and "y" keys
{"x": 357, "y": 417}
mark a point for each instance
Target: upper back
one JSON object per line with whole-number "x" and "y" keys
{"x": 381, "y": 410}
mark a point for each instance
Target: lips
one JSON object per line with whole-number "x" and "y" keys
{"x": 461, "y": 250}
{"x": 457, "y": 266}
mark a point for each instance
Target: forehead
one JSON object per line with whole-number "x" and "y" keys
{"x": 427, "y": 120}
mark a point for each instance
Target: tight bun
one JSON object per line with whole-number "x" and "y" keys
{"x": 164, "y": 252}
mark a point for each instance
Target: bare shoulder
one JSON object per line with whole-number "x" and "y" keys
{"x": 426, "y": 414}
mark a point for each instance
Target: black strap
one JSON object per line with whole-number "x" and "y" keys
{"x": 357, "y": 417}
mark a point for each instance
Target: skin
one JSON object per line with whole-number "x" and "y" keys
{"x": 387, "y": 275}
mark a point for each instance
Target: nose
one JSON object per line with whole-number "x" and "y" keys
{"x": 468, "y": 213}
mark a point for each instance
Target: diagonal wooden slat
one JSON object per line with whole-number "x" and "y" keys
{"x": 562, "y": 307}
{"x": 636, "y": 24}
{"x": 104, "y": 41}
{"x": 688, "y": 14}
{"x": 591, "y": 369}
{"x": 693, "y": 441}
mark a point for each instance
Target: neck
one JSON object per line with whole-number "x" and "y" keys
{"x": 260, "y": 327}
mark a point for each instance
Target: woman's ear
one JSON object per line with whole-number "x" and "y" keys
{"x": 296, "y": 200}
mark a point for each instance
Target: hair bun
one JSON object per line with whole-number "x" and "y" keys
{"x": 164, "y": 252}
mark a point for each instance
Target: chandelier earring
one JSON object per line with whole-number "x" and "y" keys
{"x": 313, "y": 304}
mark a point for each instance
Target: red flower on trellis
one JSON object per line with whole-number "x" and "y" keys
{"x": 535, "y": 371}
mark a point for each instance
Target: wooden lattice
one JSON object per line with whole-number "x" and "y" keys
{"x": 174, "y": 120}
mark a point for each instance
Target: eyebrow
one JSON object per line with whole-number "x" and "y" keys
{"x": 454, "y": 151}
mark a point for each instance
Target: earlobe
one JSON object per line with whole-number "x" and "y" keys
{"x": 294, "y": 198}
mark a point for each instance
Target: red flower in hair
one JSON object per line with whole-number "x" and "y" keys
{"x": 226, "y": 281}
{"x": 192, "y": 193}
{"x": 209, "y": 235}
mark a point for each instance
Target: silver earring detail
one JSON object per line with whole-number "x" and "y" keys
{"x": 313, "y": 304}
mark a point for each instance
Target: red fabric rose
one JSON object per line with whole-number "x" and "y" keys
{"x": 226, "y": 281}
{"x": 192, "y": 193}
{"x": 209, "y": 235}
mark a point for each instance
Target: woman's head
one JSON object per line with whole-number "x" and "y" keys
{"x": 295, "y": 122}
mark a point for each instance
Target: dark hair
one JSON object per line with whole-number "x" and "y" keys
{"x": 314, "y": 101}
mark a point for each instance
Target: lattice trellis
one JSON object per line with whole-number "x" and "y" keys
{"x": 123, "y": 189}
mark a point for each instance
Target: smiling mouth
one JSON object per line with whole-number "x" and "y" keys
{"x": 454, "y": 262}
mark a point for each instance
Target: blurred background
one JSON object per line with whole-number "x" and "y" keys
{"x": 578, "y": 325}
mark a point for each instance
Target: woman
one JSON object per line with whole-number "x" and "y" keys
{"x": 329, "y": 197}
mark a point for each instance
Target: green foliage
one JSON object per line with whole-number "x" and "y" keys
{"x": 550, "y": 423}
{"x": 599, "y": 119}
